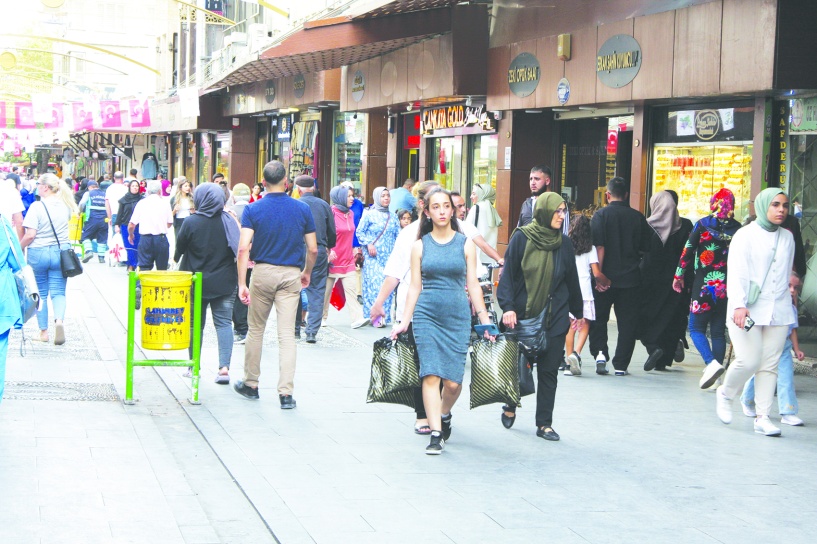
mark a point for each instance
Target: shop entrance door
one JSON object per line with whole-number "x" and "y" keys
{"x": 592, "y": 151}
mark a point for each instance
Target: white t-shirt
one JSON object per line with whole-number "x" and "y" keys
{"x": 399, "y": 263}
{"x": 583, "y": 263}
{"x": 113, "y": 193}
{"x": 10, "y": 202}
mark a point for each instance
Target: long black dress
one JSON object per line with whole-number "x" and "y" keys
{"x": 662, "y": 308}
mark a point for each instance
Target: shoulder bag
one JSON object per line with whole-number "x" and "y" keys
{"x": 754, "y": 288}
{"x": 27, "y": 289}
{"x": 69, "y": 260}
{"x": 531, "y": 332}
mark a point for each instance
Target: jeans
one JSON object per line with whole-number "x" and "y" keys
{"x": 153, "y": 248}
{"x": 786, "y": 397}
{"x": 316, "y": 291}
{"x": 222, "y": 310}
{"x": 757, "y": 352}
{"x": 716, "y": 319}
{"x": 45, "y": 261}
{"x": 240, "y": 311}
{"x": 4, "y": 348}
{"x": 279, "y": 286}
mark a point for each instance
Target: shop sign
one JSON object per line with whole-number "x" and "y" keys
{"x": 563, "y": 91}
{"x": 299, "y": 85}
{"x": 269, "y": 92}
{"x": 457, "y": 121}
{"x": 804, "y": 115}
{"x": 783, "y": 138}
{"x": 358, "y": 86}
{"x": 284, "y": 126}
{"x": 618, "y": 61}
{"x": 523, "y": 75}
{"x": 707, "y": 124}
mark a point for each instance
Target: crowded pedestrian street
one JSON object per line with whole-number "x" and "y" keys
{"x": 642, "y": 458}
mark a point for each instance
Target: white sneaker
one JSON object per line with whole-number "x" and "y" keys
{"x": 764, "y": 425}
{"x": 748, "y": 409}
{"x": 574, "y": 364}
{"x": 360, "y": 322}
{"x": 723, "y": 406}
{"x": 791, "y": 419}
{"x": 601, "y": 364}
{"x": 712, "y": 372}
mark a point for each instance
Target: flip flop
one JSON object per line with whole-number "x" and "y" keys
{"x": 422, "y": 429}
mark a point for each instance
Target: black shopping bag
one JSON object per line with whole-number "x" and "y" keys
{"x": 526, "y": 384}
{"x": 494, "y": 371}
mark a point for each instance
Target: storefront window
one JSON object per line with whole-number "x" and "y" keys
{"x": 223, "y": 141}
{"x": 483, "y": 159}
{"x": 447, "y": 165}
{"x": 702, "y": 150}
{"x": 190, "y": 157}
{"x": 304, "y": 155}
{"x": 205, "y": 157}
{"x": 349, "y": 138}
{"x": 178, "y": 156}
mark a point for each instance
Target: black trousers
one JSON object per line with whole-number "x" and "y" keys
{"x": 626, "y": 303}
{"x": 153, "y": 248}
{"x": 547, "y": 373}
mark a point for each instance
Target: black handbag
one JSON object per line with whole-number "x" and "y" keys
{"x": 526, "y": 384}
{"x": 494, "y": 371}
{"x": 395, "y": 371}
{"x": 69, "y": 260}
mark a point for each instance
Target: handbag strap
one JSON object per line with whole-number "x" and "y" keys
{"x": 388, "y": 218}
{"x": 774, "y": 254}
{"x": 56, "y": 238}
{"x": 20, "y": 262}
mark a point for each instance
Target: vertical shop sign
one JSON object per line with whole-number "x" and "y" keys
{"x": 783, "y": 144}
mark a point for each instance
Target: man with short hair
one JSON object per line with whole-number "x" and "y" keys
{"x": 133, "y": 173}
{"x": 278, "y": 234}
{"x": 471, "y": 231}
{"x": 325, "y": 235}
{"x": 15, "y": 176}
{"x": 117, "y": 190}
{"x": 401, "y": 198}
{"x": 540, "y": 176}
{"x": 154, "y": 217}
{"x": 621, "y": 235}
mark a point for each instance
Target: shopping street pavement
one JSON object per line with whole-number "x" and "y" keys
{"x": 642, "y": 458}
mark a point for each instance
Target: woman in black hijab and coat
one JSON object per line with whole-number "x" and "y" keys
{"x": 208, "y": 243}
{"x": 540, "y": 274}
{"x": 663, "y": 307}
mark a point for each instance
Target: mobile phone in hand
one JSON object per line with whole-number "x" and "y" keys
{"x": 490, "y": 327}
{"x": 748, "y": 324}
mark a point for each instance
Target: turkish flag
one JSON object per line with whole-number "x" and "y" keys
{"x": 83, "y": 118}
{"x": 111, "y": 114}
{"x": 139, "y": 113}
{"x": 24, "y": 115}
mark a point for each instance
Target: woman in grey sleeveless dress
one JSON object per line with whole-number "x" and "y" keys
{"x": 443, "y": 265}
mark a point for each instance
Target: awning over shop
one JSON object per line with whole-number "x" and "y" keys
{"x": 331, "y": 43}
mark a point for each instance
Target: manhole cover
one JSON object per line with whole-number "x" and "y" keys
{"x": 60, "y": 391}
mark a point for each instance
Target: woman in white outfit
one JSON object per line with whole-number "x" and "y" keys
{"x": 484, "y": 217}
{"x": 760, "y": 261}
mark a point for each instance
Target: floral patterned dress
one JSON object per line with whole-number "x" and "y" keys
{"x": 380, "y": 229}
{"x": 707, "y": 250}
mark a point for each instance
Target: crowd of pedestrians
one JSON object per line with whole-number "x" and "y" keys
{"x": 417, "y": 249}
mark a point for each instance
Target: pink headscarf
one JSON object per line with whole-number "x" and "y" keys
{"x": 722, "y": 204}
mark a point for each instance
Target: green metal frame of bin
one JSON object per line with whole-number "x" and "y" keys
{"x": 196, "y": 339}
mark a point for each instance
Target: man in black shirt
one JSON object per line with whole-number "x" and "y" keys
{"x": 326, "y": 237}
{"x": 620, "y": 235}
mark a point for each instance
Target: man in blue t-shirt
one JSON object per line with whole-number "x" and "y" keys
{"x": 278, "y": 234}
{"x": 401, "y": 198}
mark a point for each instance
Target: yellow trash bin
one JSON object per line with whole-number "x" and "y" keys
{"x": 166, "y": 300}
{"x": 75, "y": 228}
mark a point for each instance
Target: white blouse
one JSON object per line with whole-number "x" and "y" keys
{"x": 750, "y": 253}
